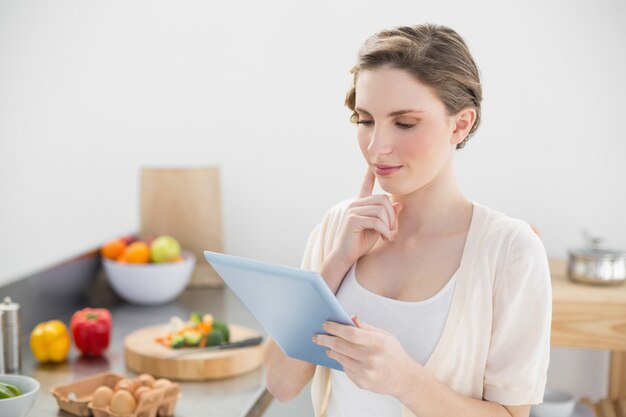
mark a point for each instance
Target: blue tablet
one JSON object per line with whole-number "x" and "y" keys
{"x": 291, "y": 304}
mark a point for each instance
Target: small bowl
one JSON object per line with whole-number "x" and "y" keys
{"x": 19, "y": 406}
{"x": 555, "y": 404}
{"x": 151, "y": 283}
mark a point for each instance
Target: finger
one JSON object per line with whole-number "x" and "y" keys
{"x": 349, "y": 333}
{"x": 365, "y": 326}
{"x": 376, "y": 211}
{"x": 368, "y": 184}
{"x": 347, "y": 362}
{"x": 338, "y": 344}
{"x": 382, "y": 200}
{"x": 374, "y": 223}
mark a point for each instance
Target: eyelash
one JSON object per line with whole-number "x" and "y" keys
{"x": 401, "y": 125}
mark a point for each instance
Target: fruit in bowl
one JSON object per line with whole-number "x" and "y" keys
{"x": 164, "y": 249}
{"x": 17, "y": 394}
{"x": 140, "y": 251}
{"x": 150, "y": 283}
{"x": 147, "y": 272}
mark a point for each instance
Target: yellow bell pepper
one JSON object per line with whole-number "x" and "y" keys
{"x": 50, "y": 341}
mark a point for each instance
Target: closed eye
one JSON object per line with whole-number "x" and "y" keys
{"x": 400, "y": 125}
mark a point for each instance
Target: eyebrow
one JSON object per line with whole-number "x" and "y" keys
{"x": 394, "y": 113}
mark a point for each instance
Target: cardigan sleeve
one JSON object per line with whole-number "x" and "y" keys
{"x": 321, "y": 238}
{"x": 519, "y": 352}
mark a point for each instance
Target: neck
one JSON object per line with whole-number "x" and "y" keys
{"x": 438, "y": 208}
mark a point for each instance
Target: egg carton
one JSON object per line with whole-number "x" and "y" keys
{"x": 157, "y": 402}
{"x": 76, "y": 398}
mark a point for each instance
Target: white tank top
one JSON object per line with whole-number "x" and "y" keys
{"x": 418, "y": 325}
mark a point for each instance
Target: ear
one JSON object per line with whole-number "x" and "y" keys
{"x": 463, "y": 122}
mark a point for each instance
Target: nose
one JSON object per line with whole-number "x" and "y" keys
{"x": 380, "y": 143}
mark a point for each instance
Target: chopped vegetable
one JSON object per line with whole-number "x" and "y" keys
{"x": 176, "y": 324}
{"x": 178, "y": 341}
{"x": 198, "y": 331}
{"x": 195, "y": 319}
{"x": 192, "y": 338}
{"x": 15, "y": 390}
{"x": 222, "y": 327}
{"x": 216, "y": 337}
{"x": 9, "y": 391}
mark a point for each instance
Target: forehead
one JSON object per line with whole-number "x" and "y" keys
{"x": 382, "y": 90}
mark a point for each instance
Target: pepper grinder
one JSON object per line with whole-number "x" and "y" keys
{"x": 11, "y": 334}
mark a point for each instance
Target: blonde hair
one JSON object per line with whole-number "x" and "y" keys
{"x": 436, "y": 55}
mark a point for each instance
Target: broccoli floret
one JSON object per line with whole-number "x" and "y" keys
{"x": 216, "y": 337}
{"x": 178, "y": 341}
{"x": 222, "y": 327}
{"x": 192, "y": 338}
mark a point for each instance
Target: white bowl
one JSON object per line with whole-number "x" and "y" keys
{"x": 555, "y": 404}
{"x": 151, "y": 283}
{"x": 19, "y": 406}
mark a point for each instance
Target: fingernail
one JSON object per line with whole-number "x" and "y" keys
{"x": 314, "y": 339}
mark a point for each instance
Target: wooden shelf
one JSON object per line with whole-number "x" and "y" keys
{"x": 586, "y": 315}
{"x": 590, "y": 317}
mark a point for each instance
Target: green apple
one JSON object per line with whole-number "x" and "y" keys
{"x": 164, "y": 249}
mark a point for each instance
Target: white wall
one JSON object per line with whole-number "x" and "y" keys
{"x": 90, "y": 92}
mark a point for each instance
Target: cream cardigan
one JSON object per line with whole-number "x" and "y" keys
{"x": 496, "y": 342}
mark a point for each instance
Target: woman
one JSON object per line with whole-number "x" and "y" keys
{"x": 451, "y": 299}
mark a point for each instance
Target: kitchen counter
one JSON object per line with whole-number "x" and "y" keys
{"x": 584, "y": 316}
{"x": 239, "y": 396}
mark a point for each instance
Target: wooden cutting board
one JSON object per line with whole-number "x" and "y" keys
{"x": 144, "y": 354}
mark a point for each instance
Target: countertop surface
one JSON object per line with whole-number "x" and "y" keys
{"x": 233, "y": 397}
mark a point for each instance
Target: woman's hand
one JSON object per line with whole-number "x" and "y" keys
{"x": 369, "y": 218}
{"x": 371, "y": 357}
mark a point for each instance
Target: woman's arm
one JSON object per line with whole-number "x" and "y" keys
{"x": 284, "y": 376}
{"x": 375, "y": 360}
{"x": 425, "y": 395}
{"x": 367, "y": 219}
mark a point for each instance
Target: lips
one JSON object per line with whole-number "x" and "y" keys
{"x": 384, "y": 170}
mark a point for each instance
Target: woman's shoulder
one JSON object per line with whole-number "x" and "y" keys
{"x": 500, "y": 231}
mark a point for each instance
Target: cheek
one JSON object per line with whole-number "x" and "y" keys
{"x": 416, "y": 145}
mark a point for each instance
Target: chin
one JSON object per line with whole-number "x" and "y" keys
{"x": 392, "y": 187}
{"x": 397, "y": 187}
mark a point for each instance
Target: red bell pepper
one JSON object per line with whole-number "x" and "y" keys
{"x": 91, "y": 328}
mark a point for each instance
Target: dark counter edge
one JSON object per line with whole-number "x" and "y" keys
{"x": 57, "y": 291}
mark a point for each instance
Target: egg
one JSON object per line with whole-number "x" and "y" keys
{"x": 139, "y": 392}
{"x": 145, "y": 380}
{"x": 162, "y": 382}
{"x": 124, "y": 384}
{"x": 123, "y": 402}
{"x": 102, "y": 396}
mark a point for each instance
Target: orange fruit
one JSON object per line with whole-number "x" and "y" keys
{"x": 137, "y": 253}
{"x": 113, "y": 248}
{"x": 121, "y": 258}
